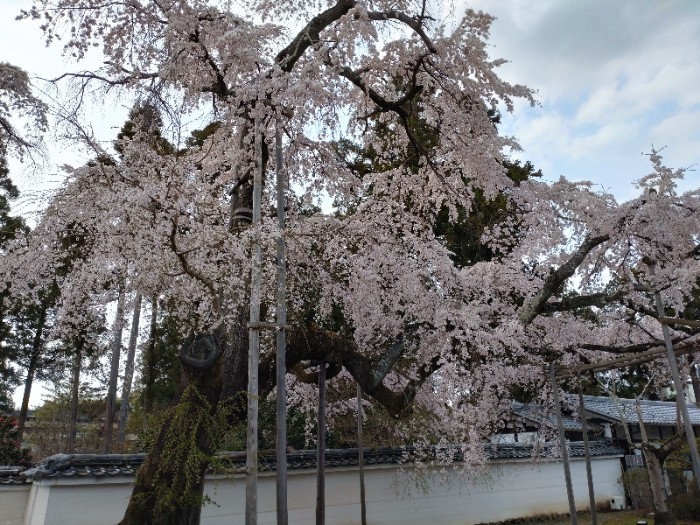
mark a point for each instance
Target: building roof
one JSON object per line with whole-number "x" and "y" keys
{"x": 537, "y": 415}
{"x": 661, "y": 413}
{"x": 112, "y": 465}
{"x": 11, "y": 476}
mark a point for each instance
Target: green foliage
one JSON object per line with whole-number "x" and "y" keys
{"x": 233, "y": 438}
{"x": 11, "y": 453}
{"x": 188, "y": 425}
{"x": 463, "y": 236}
{"x": 160, "y": 372}
{"x": 145, "y": 123}
{"x": 47, "y": 433}
{"x": 686, "y": 506}
{"x": 10, "y": 227}
{"x": 636, "y": 484}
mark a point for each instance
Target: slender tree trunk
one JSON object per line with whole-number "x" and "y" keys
{"x": 150, "y": 369}
{"x": 31, "y": 370}
{"x": 662, "y": 513}
{"x": 129, "y": 370}
{"x": 655, "y": 456}
{"x": 117, "y": 330}
{"x": 74, "y": 399}
{"x": 695, "y": 380}
{"x": 24, "y": 409}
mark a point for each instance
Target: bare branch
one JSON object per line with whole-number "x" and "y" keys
{"x": 414, "y": 23}
{"x": 599, "y": 300}
{"x": 182, "y": 257}
{"x": 310, "y": 34}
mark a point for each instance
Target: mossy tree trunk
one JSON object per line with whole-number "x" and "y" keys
{"x": 169, "y": 485}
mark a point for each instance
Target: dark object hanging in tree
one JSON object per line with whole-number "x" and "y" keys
{"x": 200, "y": 350}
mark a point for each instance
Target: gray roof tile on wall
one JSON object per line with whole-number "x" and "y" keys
{"x": 662, "y": 413}
{"x": 536, "y": 414}
{"x": 112, "y": 465}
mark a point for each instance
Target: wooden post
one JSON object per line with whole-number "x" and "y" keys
{"x": 281, "y": 440}
{"x": 587, "y": 450}
{"x": 321, "y": 447}
{"x": 251, "y": 500}
{"x": 680, "y": 392}
{"x": 562, "y": 443}
{"x": 361, "y": 458}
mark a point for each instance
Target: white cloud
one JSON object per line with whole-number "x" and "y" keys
{"x": 614, "y": 78}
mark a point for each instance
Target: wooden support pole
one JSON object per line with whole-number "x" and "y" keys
{"x": 361, "y": 457}
{"x": 562, "y": 443}
{"x": 587, "y": 450}
{"x": 321, "y": 447}
{"x": 251, "y": 500}
{"x": 628, "y": 360}
{"x": 685, "y": 322}
{"x": 281, "y": 438}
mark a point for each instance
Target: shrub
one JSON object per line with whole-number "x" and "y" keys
{"x": 11, "y": 452}
{"x": 636, "y": 483}
{"x": 686, "y": 506}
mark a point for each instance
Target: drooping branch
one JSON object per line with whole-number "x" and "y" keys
{"x": 535, "y": 305}
{"x": 187, "y": 268}
{"x": 129, "y": 77}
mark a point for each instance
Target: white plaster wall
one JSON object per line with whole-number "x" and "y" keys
{"x": 13, "y": 500}
{"x": 509, "y": 490}
{"x": 81, "y": 501}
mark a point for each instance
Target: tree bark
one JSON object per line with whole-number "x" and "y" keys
{"x": 695, "y": 380}
{"x": 150, "y": 369}
{"x": 114, "y": 373}
{"x": 74, "y": 400}
{"x": 165, "y": 492}
{"x": 129, "y": 370}
{"x": 655, "y": 457}
{"x": 31, "y": 370}
{"x": 662, "y": 513}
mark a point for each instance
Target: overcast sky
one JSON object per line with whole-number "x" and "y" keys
{"x": 614, "y": 78}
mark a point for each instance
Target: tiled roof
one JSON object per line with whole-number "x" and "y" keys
{"x": 535, "y": 413}
{"x": 11, "y": 476}
{"x": 83, "y": 465}
{"x": 662, "y": 413}
{"x": 113, "y": 465}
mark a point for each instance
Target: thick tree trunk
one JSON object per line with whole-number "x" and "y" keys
{"x": 74, "y": 400}
{"x": 169, "y": 486}
{"x": 129, "y": 370}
